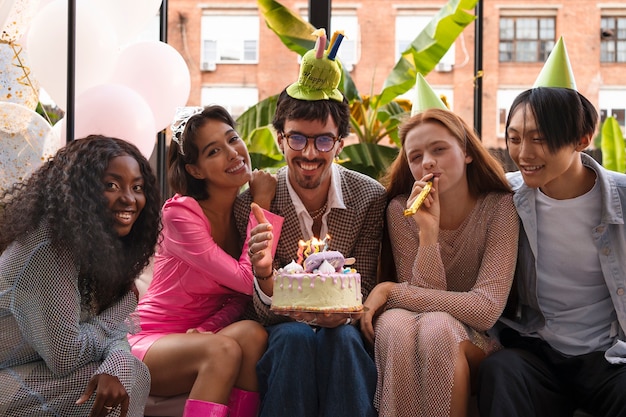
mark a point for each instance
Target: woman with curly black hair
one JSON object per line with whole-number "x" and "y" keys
{"x": 74, "y": 236}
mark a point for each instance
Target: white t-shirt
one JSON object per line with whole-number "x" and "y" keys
{"x": 572, "y": 294}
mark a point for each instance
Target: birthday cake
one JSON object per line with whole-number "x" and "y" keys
{"x": 319, "y": 282}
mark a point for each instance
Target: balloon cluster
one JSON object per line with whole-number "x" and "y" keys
{"x": 123, "y": 88}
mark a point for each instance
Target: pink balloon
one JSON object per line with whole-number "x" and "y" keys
{"x": 46, "y": 44}
{"x": 158, "y": 73}
{"x": 115, "y": 110}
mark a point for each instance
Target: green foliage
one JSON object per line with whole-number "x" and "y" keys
{"x": 373, "y": 118}
{"x": 613, "y": 146}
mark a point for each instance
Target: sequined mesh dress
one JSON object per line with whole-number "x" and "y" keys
{"x": 49, "y": 348}
{"x": 447, "y": 293}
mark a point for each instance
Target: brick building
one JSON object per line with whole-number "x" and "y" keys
{"x": 235, "y": 60}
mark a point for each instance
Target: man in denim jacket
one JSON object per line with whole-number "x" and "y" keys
{"x": 564, "y": 341}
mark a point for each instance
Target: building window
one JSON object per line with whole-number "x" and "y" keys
{"x": 348, "y": 23}
{"x": 234, "y": 99}
{"x": 407, "y": 29}
{"x": 526, "y": 39}
{"x": 505, "y": 98}
{"x": 223, "y": 45}
{"x": 611, "y": 103}
{"x": 613, "y": 39}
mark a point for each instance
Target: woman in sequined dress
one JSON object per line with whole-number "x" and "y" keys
{"x": 74, "y": 236}
{"x": 455, "y": 259}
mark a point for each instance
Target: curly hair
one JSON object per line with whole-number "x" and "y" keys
{"x": 484, "y": 174}
{"x": 179, "y": 179}
{"x": 289, "y": 108}
{"x": 67, "y": 193}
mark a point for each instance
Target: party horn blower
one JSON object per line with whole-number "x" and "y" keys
{"x": 419, "y": 200}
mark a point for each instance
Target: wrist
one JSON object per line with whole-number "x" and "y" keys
{"x": 263, "y": 277}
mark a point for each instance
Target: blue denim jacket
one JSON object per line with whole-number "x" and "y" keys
{"x": 610, "y": 240}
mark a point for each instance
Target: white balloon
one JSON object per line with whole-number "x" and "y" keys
{"x": 5, "y": 10}
{"x": 159, "y": 73}
{"x": 18, "y": 19}
{"x": 22, "y": 135}
{"x": 129, "y": 17}
{"x": 53, "y": 140}
{"x": 17, "y": 84}
{"x": 96, "y": 48}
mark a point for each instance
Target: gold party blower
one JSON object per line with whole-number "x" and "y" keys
{"x": 419, "y": 200}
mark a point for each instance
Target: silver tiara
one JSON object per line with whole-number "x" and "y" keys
{"x": 180, "y": 120}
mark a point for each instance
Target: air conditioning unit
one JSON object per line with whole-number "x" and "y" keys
{"x": 208, "y": 66}
{"x": 443, "y": 67}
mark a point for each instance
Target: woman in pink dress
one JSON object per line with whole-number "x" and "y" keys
{"x": 191, "y": 339}
{"x": 455, "y": 259}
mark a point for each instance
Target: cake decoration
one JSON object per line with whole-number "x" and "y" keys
{"x": 320, "y": 71}
{"x": 319, "y": 281}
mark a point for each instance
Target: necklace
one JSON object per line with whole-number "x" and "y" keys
{"x": 316, "y": 214}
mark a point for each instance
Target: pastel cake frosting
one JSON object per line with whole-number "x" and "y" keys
{"x": 322, "y": 283}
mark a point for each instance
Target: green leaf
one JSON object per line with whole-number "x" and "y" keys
{"x": 255, "y": 127}
{"x": 613, "y": 146}
{"x": 368, "y": 158}
{"x": 293, "y": 31}
{"x": 427, "y": 49}
{"x": 256, "y": 117}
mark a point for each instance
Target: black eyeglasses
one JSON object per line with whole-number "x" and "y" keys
{"x": 299, "y": 142}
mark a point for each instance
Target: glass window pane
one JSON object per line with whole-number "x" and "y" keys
{"x": 250, "y": 50}
{"x": 506, "y": 52}
{"x": 232, "y": 46}
{"x": 526, "y": 28}
{"x": 506, "y": 29}
{"x": 526, "y": 51}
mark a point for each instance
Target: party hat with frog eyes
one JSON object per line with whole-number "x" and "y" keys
{"x": 425, "y": 97}
{"x": 557, "y": 71}
{"x": 320, "y": 71}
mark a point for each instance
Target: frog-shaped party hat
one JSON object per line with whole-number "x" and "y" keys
{"x": 425, "y": 97}
{"x": 320, "y": 71}
{"x": 557, "y": 71}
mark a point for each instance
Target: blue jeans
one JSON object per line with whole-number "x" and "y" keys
{"x": 309, "y": 373}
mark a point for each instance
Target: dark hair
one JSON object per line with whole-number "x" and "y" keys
{"x": 289, "y": 108}
{"x": 562, "y": 115}
{"x": 484, "y": 174}
{"x": 179, "y": 179}
{"x": 67, "y": 194}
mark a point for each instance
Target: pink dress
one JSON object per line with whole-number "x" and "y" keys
{"x": 195, "y": 283}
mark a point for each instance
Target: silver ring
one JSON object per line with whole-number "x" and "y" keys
{"x": 349, "y": 320}
{"x": 109, "y": 408}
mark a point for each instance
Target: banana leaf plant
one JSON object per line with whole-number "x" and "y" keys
{"x": 613, "y": 146}
{"x": 375, "y": 117}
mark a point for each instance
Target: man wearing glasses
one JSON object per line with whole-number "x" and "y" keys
{"x": 316, "y": 365}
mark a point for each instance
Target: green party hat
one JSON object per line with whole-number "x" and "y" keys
{"x": 425, "y": 97}
{"x": 557, "y": 71}
{"x": 320, "y": 71}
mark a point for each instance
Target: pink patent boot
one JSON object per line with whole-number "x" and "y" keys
{"x": 243, "y": 403}
{"x": 198, "y": 408}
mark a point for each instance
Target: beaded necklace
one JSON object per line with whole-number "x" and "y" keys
{"x": 316, "y": 214}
